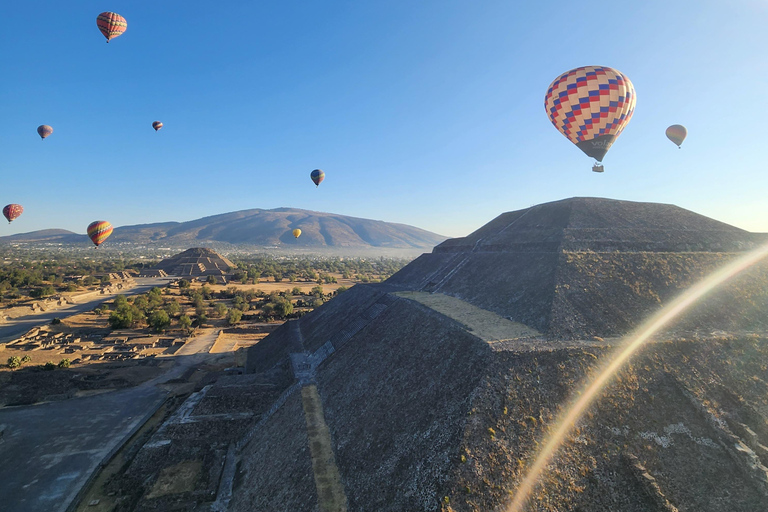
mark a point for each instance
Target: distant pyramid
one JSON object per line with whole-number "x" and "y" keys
{"x": 194, "y": 262}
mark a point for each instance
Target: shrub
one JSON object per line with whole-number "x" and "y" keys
{"x": 159, "y": 320}
{"x": 220, "y": 309}
{"x": 234, "y": 316}
{"x": 56, "y": 321}
{"x": 14, "y": 362}
{"x": 50, "y": 365}
{"x": 185, "y": 322}
{"x": 64, "y": 363}
{"x": 26, "y": 359}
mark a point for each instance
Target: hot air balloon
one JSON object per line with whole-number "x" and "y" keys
{"x": 297, "y": 233}
{"x": 98, "y": 231}
{"x": 677, "y": 133}
{"x": 12, "y": 211}
{"x": 590, "y": 106}
{"x": 157, "y": 125}
{"x": 111, "y": 24}
{"x": 317, "y": 177}
{"x": 44, "y": 130}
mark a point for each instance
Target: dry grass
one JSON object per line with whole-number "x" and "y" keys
{"x": 176, "y": 479}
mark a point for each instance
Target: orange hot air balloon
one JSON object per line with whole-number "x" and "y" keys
{"x": 591, "y": 106}
{"x": 157, "y": 125}
{"x": 297, "y": 233}
{"x": 44, "y": 130}
{"x": 98, "y": 231}
{"x": 111, "y": 24}
{"x": 12, "y": 211}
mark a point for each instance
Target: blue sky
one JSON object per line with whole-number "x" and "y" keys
{"x": 428, "y": 113}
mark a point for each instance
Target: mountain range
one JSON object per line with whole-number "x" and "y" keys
{"x": 258, "y": 227}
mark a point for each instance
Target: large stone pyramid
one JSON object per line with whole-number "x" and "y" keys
{"x": 195, "y": 262}
{"x": 433, "y": 390}
{"x": 581, "y": 266}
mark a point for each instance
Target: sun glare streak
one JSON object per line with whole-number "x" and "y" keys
{"x": 632, "y": 343}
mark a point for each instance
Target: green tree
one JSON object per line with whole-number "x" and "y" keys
{"x": 234, "y": 316}
{"x": 185, "y": 323}
{"x": 211, "y": 280}
{"x": 159, "y": 320}
{"x": 172, "y": 307}
{"x": 64, "y": 363}
{"x": 126, "y": 316}
{"x": 220, "y": 309}
{"x": 120, "y": 300}
{"x": 14, "y": 362}
{"x": 50, "y": 365}
{"x": 184, "y": 284}
{"x": 281, "y": 307}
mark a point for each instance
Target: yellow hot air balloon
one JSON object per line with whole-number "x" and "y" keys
{"x": 297, "y": 233}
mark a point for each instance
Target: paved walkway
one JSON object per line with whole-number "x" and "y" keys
{"x": 49, "y": 451}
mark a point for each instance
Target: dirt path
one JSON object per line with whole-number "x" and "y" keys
{"x": 330, "y": 491}
{"x": 484, "y": 324}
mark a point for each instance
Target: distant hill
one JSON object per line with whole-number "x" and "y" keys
{"x": 46, "y": 235}
{"x": 263, "y": 228}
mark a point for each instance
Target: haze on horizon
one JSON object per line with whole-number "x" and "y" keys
{"x": 427, "y": 114}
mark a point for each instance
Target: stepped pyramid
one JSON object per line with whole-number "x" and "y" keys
{"x": 581, "y": 266}
{"x": 433, "y": 390}
{"x": 195, "y": 262}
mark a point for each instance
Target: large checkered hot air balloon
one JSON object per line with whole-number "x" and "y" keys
{"x": 590, "y": 106}
{"x": 98, "y": 231}
{"x": 111, "y": 24}
{"x": 12, "y": 211}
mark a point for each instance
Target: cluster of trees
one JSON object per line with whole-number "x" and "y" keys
{"x": 319, "y": 270}
{"x": 43, "y": 278}
{"x": 151, "y": 308}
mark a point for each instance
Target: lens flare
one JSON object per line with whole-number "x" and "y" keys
{"x": 591, "y": 390}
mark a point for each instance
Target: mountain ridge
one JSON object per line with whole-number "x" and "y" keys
{"x": 262, "y": 227}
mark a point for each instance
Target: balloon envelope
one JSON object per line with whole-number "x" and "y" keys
{"x": 317, "y": 176}
{"x": 44, "y": 130}
{"x": 12, "y": 211}
{"x": 297, "y": 233}
{"x": 111, "y": 24}
{"x": 98, "y": 231}
{"x": 591, "y": 106}
{"x": 677, "y": 133}
{"x": 157, "y": 125}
